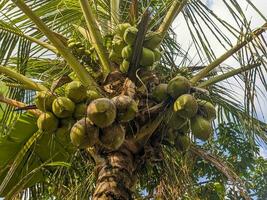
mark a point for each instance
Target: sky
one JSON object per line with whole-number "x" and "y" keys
{"x": 218, "y": 7}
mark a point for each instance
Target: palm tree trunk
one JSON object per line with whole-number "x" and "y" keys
{"x": 115, "y": 176}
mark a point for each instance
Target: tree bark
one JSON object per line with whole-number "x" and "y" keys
{"x": 115, "y": 176}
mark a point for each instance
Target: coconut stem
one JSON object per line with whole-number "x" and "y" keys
{"x": 22, "y": 79}
{"x": 95, "y": 34}
{"x": 115, "y": 176}
{"x": 250, "y": 37}
{"x": 227, "y": 75}
{"x": 174, "y": 10}
{"x": 81, "y": 72}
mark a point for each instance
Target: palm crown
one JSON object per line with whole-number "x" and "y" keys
{"x": 96, "y": 85}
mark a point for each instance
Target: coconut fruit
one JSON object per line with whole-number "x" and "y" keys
{"x": 152, "y": 40}
{"x": 102, "y": 112}
{"x": 126, "y": 108}
{"x": 75, "y": 91}
{"x": 92, "y": 95}
{"x": 178, "y": 86}
{"x": 127, "y": 52}
{"x": 206, "y": 109}
{"x": 63, "y": 107}
{"x": 115, "y": 57}
{"x": 120, "y": 29}
{"x": 157, "y": 54}
{"x": 174, "y": 121}
{"x": 147, "y": 57}
{"x": 186, "y": 106}
{"x": 44, "y": 100}
{"x": 84, "y": 134}
{"x": 201, "y": 127}
{"x": 118, "y": 44}
{"x": 182, "y": 142}
{"x": 160, "y": 92}
{"x": 80, "y": 111}
{"x": 130, "y": 35}
{"x": 47, "y": 122}
{"x": 185, "y": 128}
{"x": 112, "y": 137}
{"x": 124, "y": 66}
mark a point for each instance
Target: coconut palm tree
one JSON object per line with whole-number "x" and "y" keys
{"x": 100, "y": 102}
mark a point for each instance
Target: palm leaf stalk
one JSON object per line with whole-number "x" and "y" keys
{"x": 22, "y": 79}
{"x": 81, "y": 72}
{"x": 114, "y": 10}
{"x": 227, "y": 75}
{"x": 96, "y": 36}
{"x": 247, "y": 39}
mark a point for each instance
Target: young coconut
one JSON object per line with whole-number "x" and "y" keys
{"x": 174, "y": 121}
{"x": 80, "y": 111}
{"x": 186, "y": 106}
{"x": 152, "y": 40}
{"x": 44, "y": 100}
{"x": 178, "y": 86}
{"x": 63, "y": 107}
{"x": 75, "y": 91}
{"x": 84, "y": 134}
{"x": 115, "y": 57}
{"x": 206, "y": 109}
{"x": 157, "y": 54}
{"x": 201, "y": 127}
{"x": 147, "y": 57}
{"x": 160, "y": 92}
{"x": 112, "y": 137}
{"x": 120, "y": 29}
{"x": 92, "y": 95}
{"x": 127, "y": 52}
{"x": 182, "y": 143}
{"x": 126, "y": 108}
{"x": 47, "y": 122}
{"x": 130, "y": 35}
{"x": 118, "y": 44}
{"x": 124, "y": 66}
{"x": 102, "y": 112}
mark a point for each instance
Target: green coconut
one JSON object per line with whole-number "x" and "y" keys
{"x": 127, "y": 52}
{"x": 178, "y": 86}
{"x": 157, "y": 54}
{"x": 130, "y": 35}
{"x": 147, "y": 57}
{"x": 44, "y": 100}
{"x": 115, "y": 57}
{"x": 126, "y": 108}
{"x": 47, "y": 122}
{"x": 112, "y": 137}
{"x": 84, "y": 134}
{"x": 174, "y": 121}
{"x": 76, "y": 91}
{"x": 63, "y": 107}
{"x": 201, "y": 127}
{"x": 185, "y": 128}
{"x": 92, "y": 95}
{"x": 80, "y": 111}
{"x": 186, "y": 106}
{"x": 160, "y": 92}
{"x": 182, "y": 142}
{"x": 102, "y": 112}
{"x": 152, "y": 40}
{"x": 206, "y": 109}
{"x": 63, "y": 137}
{"x": 118, "y": 44}
{"x": 120, "y": 29}
{"x": 124, "y": 66}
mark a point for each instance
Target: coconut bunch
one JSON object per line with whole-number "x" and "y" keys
{"x": 187, "y": 113}
{"x": 121, "y": 49}
{"x": 85, "y": 116}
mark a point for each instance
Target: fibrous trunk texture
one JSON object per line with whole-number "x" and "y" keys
{"x": 115, "y": 176}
